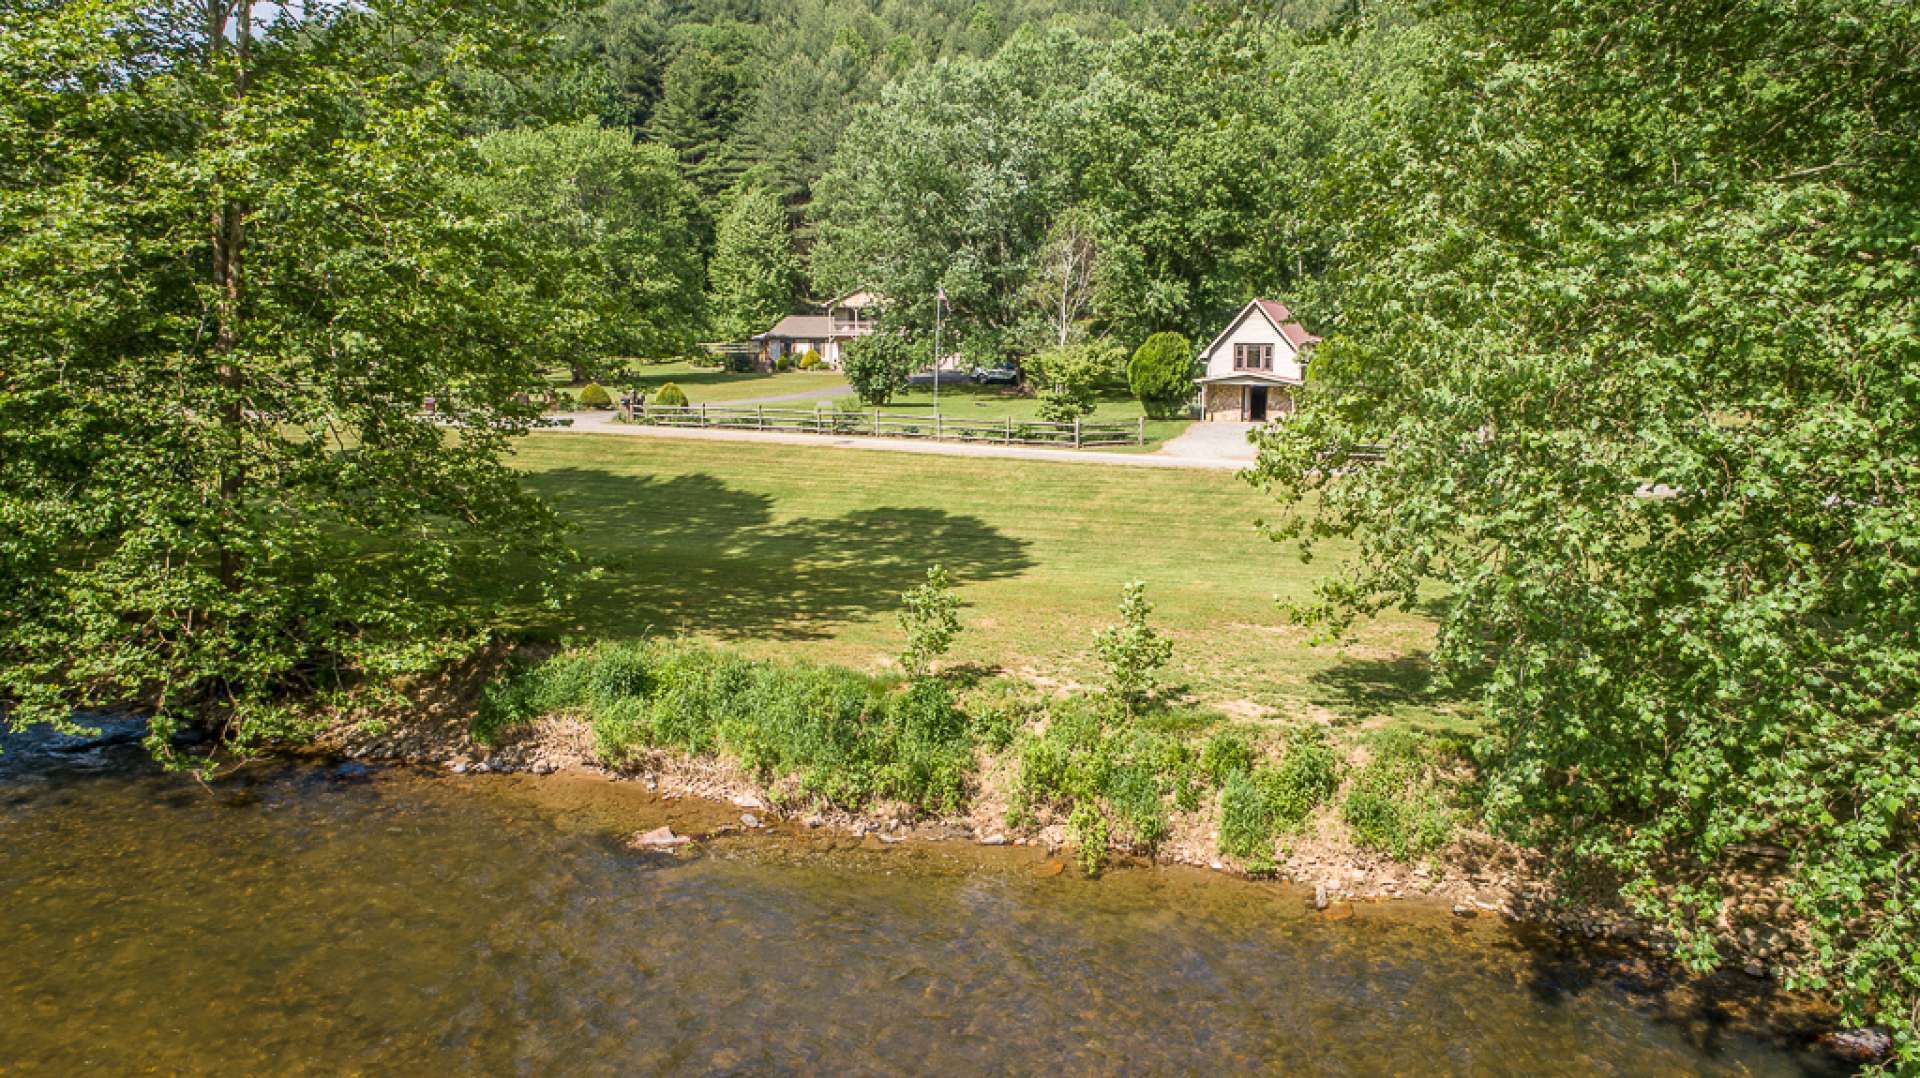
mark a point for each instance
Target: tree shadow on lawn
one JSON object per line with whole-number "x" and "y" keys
{"x": 1365, "y": 687}
{"x": 691, "y": 554}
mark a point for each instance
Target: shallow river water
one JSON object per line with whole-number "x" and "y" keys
{"x": 300, "y": 918}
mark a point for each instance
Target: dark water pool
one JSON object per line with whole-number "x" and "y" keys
{"x": 295, "y": 920}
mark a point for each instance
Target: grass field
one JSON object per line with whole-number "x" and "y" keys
{"x": 803, "y": 553}
{"x": 711, "y": 385}
{"x": 964, "y": 400}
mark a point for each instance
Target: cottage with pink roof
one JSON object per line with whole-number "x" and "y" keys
{"x": 1254, "y": 364}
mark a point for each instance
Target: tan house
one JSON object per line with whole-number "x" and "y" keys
{"x": 846, "y": 317}
{"x": 1254, "y": 364}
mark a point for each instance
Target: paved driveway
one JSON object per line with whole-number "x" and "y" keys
{"x": 1219, "y": 442}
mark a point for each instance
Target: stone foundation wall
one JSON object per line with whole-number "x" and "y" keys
{"x": 1226, "y": 404}
{"x": 1221, "y": 404}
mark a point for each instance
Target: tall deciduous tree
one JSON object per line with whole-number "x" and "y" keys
{"x": 1634, "y": 311}
{"x": 239, "y": 253}
{"x": 754, "y": 276}
{"x": 951, "y": 182}
{"x": 613, "y": 223}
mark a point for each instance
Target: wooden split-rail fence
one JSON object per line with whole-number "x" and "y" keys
{"x": 1078, "y": 434}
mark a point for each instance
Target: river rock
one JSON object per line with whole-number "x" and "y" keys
{"x": 995, "y": 839}
{"x": 748, "y": 801}
{"x": 1860, "y": 1045}
{"x": 659, "y": 837}
{"x": 1320, "y": 896}
{"x": 1461, "y": 909}
{"x": 458, "y": 767}
{"x": 814, "y": 821}
{"x": 750, "y": 819}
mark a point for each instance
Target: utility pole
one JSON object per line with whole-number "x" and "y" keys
{"x": 939, "y": 301}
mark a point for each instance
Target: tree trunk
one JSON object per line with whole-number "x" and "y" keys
{"x": 228, "y": 229}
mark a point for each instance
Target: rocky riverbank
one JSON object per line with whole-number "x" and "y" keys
{"x": 1475, "y": 875}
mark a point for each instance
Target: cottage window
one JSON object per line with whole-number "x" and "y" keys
{"x": 1253, "y": 357}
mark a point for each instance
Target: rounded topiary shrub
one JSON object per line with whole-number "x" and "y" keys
{"x": 670, "y": 396}
{"x": 594, "y": 395}
{"x": 811, "y": 362}
{"x": 1162, "y": 373}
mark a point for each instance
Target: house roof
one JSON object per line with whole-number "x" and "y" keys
{"x": 801, "y": 327}
{"x": 1283, "y": 320}
{"x": 1277, "y": 316}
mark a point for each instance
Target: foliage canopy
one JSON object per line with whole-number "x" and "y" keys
{"x": 239, "y": 255}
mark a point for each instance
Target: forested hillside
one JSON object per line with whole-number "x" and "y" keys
{"x": 940, "y": 143}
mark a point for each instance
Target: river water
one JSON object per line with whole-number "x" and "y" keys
{"x": 301, "y": 918}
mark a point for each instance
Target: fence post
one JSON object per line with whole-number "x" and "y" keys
{"x": 876, "y": 422}
{"x": 1076, "y": 432}
{"x": 936, "y": 418}
{"x": 703, "y": 414}
{"x": 1141, "y": 437}
{"x": 761, "y": 412}
{"x": 1009, "y": 430}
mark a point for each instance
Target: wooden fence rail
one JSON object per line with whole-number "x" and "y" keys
{"x": 875, "y": 423}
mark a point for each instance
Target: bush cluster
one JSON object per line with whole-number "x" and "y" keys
{"x": 1258, "y": 803}
{"x": 846, "y": 737}
{"x": 1397, "y": 803}
{"x": 595, "y": 395}
{"x": 812, "y": 362}
{"x": 878, "y": 365}
{"x": 671, "y": 396}
{"x": 1161, "y": 373}
{"x": 1092, "y": 758}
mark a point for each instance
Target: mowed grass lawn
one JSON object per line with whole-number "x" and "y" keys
{"x": 709, "y": 385}
{"x": 964, "y": 400}
{"x": 800, "y": 552}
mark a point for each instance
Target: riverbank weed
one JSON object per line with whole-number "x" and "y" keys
{"x": 1259, "y": 803}
{"x": 847, "y": 737}
{"x": 1398, "y": 802}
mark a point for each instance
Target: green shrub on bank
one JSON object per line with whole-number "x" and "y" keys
{"x": 1246, "y": 821}
{"x": 1259, "y": 803}
{"x": 1092, "y": 758}
{"x": 1226, "y": 752}
{"x": 1307, "y": 777}
{"x": 846, "y": 737}
{"x": 671, "y": 396}
{"x": 1397, "y": 803}
{"x": 595, "y": 395}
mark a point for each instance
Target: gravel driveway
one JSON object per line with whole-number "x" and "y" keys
{"x": 1220, "y": 442}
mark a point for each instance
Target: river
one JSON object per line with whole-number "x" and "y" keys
{"x": 307, "y": 918}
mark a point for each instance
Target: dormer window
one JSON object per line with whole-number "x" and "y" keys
{"x": 1253, "y": 357}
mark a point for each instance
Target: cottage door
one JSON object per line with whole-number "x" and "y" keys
{"x": 1257, "y": 404}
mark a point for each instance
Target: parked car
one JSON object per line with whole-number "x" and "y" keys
{"x": 1000, "y": 374}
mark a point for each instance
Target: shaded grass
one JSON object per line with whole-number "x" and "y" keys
{"x": 800, "y": 552}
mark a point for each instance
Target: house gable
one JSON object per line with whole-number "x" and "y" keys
{"x": 1261, "y": 322}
